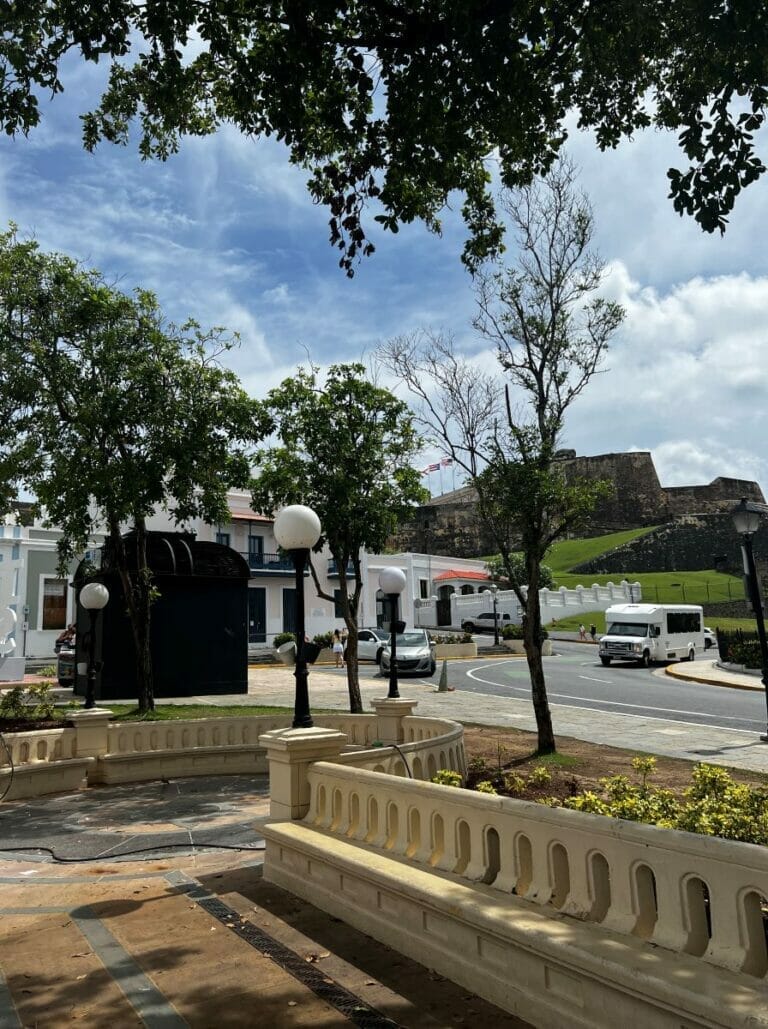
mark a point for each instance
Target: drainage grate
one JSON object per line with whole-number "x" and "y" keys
{"x": 357, "y": 1011}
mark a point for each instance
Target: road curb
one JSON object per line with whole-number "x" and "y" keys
{"x": 676, "y": 674}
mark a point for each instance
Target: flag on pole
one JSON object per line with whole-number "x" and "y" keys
{"x": 447, "y": 462}
{"x": 434, "y": 467}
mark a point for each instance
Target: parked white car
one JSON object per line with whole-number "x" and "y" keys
{"x": 710, "y": 638}
{"x": 370, "y": 643}
{"x": 484, "y": 622}
{"x": 415, "y": 654}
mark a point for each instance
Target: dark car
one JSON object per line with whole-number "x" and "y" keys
{"x": 484, "y": 622}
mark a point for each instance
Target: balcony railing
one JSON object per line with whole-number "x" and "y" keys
{"x": 269, "y": 564}
{"x": 333, "y": 571}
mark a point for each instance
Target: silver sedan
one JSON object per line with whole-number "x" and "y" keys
{"x": 415, "y": 654}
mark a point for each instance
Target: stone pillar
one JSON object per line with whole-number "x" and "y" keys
{"x": 290, "y": 752}
{"x": 389, "y": 718}
{"x": 92, "y": 731}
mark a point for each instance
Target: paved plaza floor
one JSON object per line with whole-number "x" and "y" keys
{"x": 146, "y": 905}
{"x": 182, "y": 934}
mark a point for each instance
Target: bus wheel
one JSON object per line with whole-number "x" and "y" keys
{"x": 645, "y": 660}
{"x": 605, "y": 661}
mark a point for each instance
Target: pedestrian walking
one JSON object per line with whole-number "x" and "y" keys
{"x": 593, "y": 632}
{"x": 338, "y": 649}
{"x": 582, "y": 632}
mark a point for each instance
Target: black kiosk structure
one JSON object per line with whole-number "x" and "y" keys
{"x": 199, "y": 627}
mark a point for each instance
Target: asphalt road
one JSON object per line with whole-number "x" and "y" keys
{"x": 576, "y": 678}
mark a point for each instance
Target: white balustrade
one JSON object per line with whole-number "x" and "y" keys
{"x": 38, "y": 747}
{"x": 698, "y": 895}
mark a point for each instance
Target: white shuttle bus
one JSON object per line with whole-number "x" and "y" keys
{"x": 652, "y": 632}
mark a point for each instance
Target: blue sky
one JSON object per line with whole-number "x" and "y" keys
{"x": 226, "y": 233}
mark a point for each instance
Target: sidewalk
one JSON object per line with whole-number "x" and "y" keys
{"x": 689, "y": 741}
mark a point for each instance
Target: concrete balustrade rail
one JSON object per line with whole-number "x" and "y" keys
{"x": 105, "y": 752}
{"x": 692, "y": 894}
{"x": 564, "y": 918}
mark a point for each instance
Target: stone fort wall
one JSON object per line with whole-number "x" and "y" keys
{"x": 450, "y": 524}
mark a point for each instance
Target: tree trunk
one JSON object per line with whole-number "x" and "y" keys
{"x": 349, "y": 608}
{"x": 137, "y": 593}
{"x": 533, "y": 643}
{"x": 353, "y": 677}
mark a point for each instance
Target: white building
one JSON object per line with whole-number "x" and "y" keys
{"x": 439, "y": 591}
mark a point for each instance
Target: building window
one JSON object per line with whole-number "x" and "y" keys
{"x": 223, "y": 538}
{"x": 54, "y": 604}
{"x": 424, "y": 589}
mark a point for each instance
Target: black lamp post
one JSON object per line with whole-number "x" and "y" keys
{"x": 297, "y": 529}
{"x": 392, "y": 583}
{"x": 491, "y": 592}
{"x": 746, "y": 518}
{"x": 93, "y": 597}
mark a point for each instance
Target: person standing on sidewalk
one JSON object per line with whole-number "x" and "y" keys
{"x": 593, "y": 632}
{"x": 582, "y": 632}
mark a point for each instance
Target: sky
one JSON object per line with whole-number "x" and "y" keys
{"x": 225, "y": 232}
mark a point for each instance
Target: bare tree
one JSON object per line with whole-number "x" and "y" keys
{"x": 550, "y": 333}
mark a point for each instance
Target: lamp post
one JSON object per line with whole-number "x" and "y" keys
{"x": 93, "y": 597}
{"x": 297, "y": 530}
{"x": 392, "y": 583}
{"x": 746, "y": 518}
{"x": 491, "y": 592}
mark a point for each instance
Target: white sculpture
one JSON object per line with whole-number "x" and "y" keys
{"x": 11, "y": 668}
{"x": 7, "y": 625}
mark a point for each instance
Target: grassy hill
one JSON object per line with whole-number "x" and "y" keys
{"x": 564, "y": 555}
{"x": 661, "y": 587}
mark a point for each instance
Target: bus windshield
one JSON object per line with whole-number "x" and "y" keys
{"x": 627, "y": 629}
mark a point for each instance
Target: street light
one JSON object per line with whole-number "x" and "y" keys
{"x": 491, "y": 592}
{"x": 297, "y": 530}
{"x": 746, "y": 518}
{"x": 392, "y": 583}
{"x": 93, "y": 597}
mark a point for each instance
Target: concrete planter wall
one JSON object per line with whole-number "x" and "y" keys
{"x": 443, "y": 650}
{"x": 623, "y": 923}
{"x": 517, "y": 647}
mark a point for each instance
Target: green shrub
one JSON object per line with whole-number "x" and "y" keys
{"x": 746, "y": 653}
{"x": 35, "y": 702}
{"x": 445, "y": 777}
{"x": 486, "y": 786}
{"x": 713, "y": 805}
{"x": 450, "y": 637}
{"x": 47, "y": 672}
{"x": 514, "y": 783}
{"x": 516, "y": 632}
{"x": 283, "y": 637}
{"x": 12, "y": 703}
{"x": 41, "y": 700}
{"x": 540, "y": 776}
{"x": 323, "y": 639}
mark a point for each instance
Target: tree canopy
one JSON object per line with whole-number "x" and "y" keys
{"x": 404, "y": 102}
{"x": 345, "y": 448}
{"x": 112, "y": 415}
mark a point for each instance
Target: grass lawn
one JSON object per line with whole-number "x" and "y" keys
{"x": 171, "y": 712}
{"x": 562, "y": 556}
{"x": 669, "y": 587}
{"x": 572, "y": 622}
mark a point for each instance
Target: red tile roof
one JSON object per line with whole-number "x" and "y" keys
{"x": 468, "y": 574}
